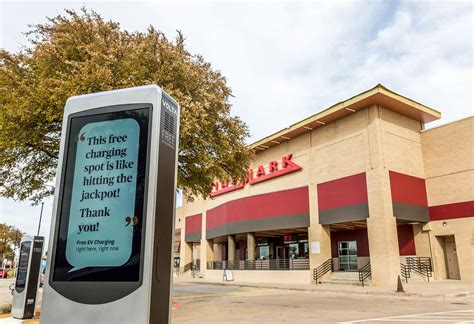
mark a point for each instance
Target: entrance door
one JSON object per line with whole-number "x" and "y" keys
{"x": 452, "y": 258}
{"x": 224, "y": 251}
{"x": 347, "y": 255}
{"x": 280, "y": 252}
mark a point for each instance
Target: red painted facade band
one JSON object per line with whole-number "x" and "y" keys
{"x": 406, "y": 239}
{"x": 449, "y": 211}
{"x": 281, "y": 203}
{"x": 407, "y": 189}
{"x": 194, "y": 223}
{"x": 342, "y": 192}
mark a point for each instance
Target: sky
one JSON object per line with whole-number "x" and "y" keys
{"x": 286, "y": 61}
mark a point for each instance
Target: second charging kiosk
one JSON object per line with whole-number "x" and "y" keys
{"x": 27, "y": 277}
{"x": 113, "y": 218}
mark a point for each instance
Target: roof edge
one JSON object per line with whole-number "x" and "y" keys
{"x": 346, "y": 104}
{"x": 447, "y": 123}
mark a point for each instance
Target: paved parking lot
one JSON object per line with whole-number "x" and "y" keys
{"x": 208, "y": 303}
{"x": 201, "y": 303}
{"x": 462, "y": 316}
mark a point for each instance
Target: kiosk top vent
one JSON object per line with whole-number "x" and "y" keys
{"x": 169, "y": 123}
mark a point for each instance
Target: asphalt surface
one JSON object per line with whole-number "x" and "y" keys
{"x": 207, "y": 303}
{"x": 201, "y": 303}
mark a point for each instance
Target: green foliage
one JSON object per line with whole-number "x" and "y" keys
{"x": 79, "y": 53}
{"x": 10, "y": 238}
{"x": 5, "y": 308}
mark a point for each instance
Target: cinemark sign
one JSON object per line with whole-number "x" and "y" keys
{"x": 258, "y": 175}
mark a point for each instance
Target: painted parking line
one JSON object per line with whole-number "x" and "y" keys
{"x": 459, "y": 316}
{"x": 235, "y": 293}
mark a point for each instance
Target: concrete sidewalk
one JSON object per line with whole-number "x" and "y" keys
{"x": 436, "y": 289}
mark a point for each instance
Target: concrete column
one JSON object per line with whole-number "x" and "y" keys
{"x": 186, "y": 254}
{"x": 317, "y": 233}
{"x": 217, "y": 251}
{"x": 231, "y": 247}
{"x": 186, "y": 248}
{"x": 251, "y": 246}
{"x": 206, "y": 253}
{"x": 382, "y": 231}
{"x": 381, "y": 225}
{"x": 209, "y": 247}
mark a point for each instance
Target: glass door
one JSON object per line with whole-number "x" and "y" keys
{"x": 347, "y": 255}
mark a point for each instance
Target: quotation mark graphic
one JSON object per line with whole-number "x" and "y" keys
{"x": 129, "y": 220}
{"x": 82, "y": 137}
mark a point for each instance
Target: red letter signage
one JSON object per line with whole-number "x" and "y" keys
{"x": 287, "y": 166}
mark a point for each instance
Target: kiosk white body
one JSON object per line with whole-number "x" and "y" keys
{"x": 27, "y": 279}
{"x": 110, "y": 259}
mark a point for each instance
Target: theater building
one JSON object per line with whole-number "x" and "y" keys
{"x": 361, "y": 188}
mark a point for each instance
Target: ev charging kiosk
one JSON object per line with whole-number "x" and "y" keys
{"x": 112, "y": 228}
{"x": 26, "y": 283}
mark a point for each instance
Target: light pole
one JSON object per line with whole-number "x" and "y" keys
{"x": 41, "y": 216}
{"x": 14, "y": 253}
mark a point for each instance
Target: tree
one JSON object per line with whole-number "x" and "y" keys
{"x": 10, "y": 238}
{"x": 78, "y": 53}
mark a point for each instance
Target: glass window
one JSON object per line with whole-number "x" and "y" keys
{"x": 305, "y": 250}
{"x": 293, "y": 250}
{"x": 343, "y": 259}
{"x": 264, "y": 252}
{"x": 347, "y": 255}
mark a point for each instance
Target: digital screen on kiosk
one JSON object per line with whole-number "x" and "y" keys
{"x": 101, "y": 217}
{"x": 25, "y": 250}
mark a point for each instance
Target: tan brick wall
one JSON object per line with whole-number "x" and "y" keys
{"x": 403, "y": 155}
{"x": 179, "y": 221}
{"x": 450, "y": 188}
{"x": 462, "y": 229}
{"x": 340, "y": 148}
{"x": 401, "y": 144}
{"x": 373, "y": 140}
{"x": 448, "y": 149}
{"x": 448, "y": 154}
{"x": 381, "y": 225}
